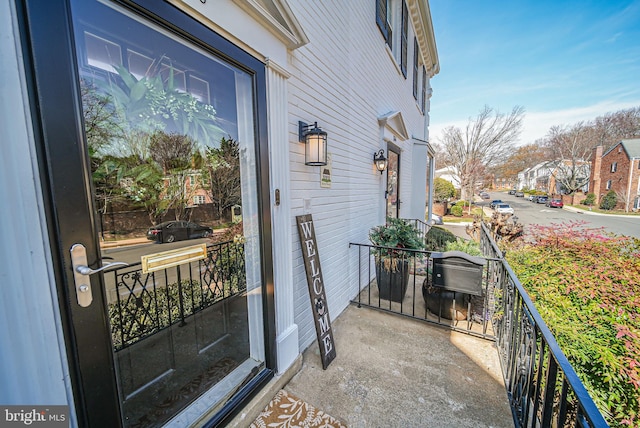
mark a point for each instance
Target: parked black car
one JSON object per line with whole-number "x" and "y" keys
{"x": 171, "y": 231}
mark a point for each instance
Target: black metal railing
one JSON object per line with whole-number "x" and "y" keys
{"x": 543, "y": 388}
{"x": 420, "y": 299}
{"x": 141, "y": 305}
{"x": 421, "y": 226}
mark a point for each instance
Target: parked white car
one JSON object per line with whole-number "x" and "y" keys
{"x": 504, "y": 209}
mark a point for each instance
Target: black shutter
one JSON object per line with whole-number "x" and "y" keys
{"x": 403, "y": 39}
{"x": 415, "y": 68}
{"x": 381, "y": 20}
{"x": 424, "y": 89}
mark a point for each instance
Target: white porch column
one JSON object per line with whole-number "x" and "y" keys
{"x": 418, "y": 179}
{"x": 286, "y": 328}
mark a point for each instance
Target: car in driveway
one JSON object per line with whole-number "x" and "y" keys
{"x": 504, "y": 209}
{"x": 542, "y": 199}
{"x": 555, "y": 203}
{"x": 495, "y": 202}
{"x": 484, "y": 195}
{"x": 171, "y": 231}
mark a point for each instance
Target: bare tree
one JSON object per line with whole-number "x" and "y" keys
{"x": 485, "y": 140}
{"x": 174, "y": 153}
{"x": 223, "y": 168}
{"x": 570, "y": 149}
{"x": 521, "y": 158}
{"x": 610, "y": 128}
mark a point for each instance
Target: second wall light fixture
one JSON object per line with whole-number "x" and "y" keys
{"x": 315, "y": 144}
{"x": 380, "y": 161}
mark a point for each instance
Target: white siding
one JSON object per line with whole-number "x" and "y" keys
{"x": 33, "y": 368}
{"x": 345, "y": 80}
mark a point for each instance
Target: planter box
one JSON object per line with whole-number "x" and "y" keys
{"x": 392, "y": 285}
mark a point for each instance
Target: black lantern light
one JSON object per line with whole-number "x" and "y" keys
{"x": 315, "y": 144}
{"x": 380, "y": 161}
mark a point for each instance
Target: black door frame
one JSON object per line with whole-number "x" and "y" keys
{"x": 54, "y": 93}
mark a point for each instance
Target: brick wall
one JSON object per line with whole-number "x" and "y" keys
{"x": 618, "y": 179}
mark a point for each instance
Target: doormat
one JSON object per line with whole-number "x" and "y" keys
{"x": 287, "y": 411}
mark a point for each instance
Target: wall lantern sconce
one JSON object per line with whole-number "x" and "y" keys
{"x": 380, "y": 161}
{"x": 315, "y": 144}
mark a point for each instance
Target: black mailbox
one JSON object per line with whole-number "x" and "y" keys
{"x": 458, "y": 271}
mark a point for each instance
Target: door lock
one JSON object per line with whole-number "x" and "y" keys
{"x": 81, "y": 273}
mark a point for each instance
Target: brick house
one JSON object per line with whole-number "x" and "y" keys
{"x": 618, "y": 169}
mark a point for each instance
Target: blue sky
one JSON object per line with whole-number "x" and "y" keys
{"x": 564, "y": 61}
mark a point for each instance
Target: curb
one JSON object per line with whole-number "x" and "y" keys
{"x": 581, "y": 211}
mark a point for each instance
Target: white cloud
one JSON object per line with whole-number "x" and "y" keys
{"x": 537, "y": 124}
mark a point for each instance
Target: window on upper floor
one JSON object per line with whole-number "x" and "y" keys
{"x": 384, "y": 20}
{"x": 392, "y": 14}
{"x": 614, "y": 167}
{"x": 608, "y": 186}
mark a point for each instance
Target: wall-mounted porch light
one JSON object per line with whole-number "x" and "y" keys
{"x": 380, "y": 161}
{"x": 315, "y": 144}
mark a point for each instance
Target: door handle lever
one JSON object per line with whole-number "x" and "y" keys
{"x": 81, "y": 272}
{"x": 86, "y": 270}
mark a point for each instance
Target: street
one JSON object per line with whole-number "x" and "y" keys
{"x": 532, "y": 213}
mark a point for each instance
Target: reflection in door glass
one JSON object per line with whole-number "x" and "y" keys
{"x": 169, "y": 131}
{"x": 393, "y": 201}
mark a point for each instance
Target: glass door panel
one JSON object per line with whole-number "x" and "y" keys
{"x": 393, "y": 174}
{"x": 170, "y": 134}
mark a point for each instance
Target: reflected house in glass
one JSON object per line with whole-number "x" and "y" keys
{"x": 128, "y": 114}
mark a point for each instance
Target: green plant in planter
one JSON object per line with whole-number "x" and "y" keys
{"x": 392, "y": 263}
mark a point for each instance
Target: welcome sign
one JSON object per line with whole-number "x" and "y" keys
{"x": 319, "y": 306}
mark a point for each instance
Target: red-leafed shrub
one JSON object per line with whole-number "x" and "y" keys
{"x": 586, "y": 285}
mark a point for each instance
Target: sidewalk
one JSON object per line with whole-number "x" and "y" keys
{"x": 123, "y": 242}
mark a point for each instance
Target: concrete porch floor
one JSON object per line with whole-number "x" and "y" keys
{"x": 392, "y": 371}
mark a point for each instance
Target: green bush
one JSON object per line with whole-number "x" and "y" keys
{"x": 586, "y": 286}
{"x": 590, "y": 199}
{"x": 462, "y": 203}
{"x": 443, "y": 189}
{"x": 456, "y": 210}
{"x": 437, "y": 239}
{"x": 465, "y": 245}
{"x": 609, "y": 201}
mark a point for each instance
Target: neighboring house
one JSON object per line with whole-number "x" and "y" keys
{"x": 252, "y": 70}
{"x": 449, "y": 173}
{"x": 548, "y": 176}
{"x": 536, "y": 177}
{"x": 618, "y": 170}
